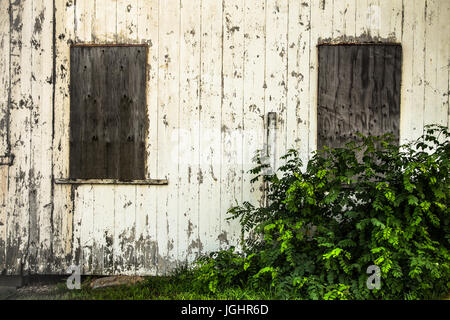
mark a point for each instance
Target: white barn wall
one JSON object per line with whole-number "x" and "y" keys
{"x": 215, "y": 69}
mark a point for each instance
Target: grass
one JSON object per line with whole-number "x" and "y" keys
{"x": 175, "y": 287}
{"x": 160, "y": 288}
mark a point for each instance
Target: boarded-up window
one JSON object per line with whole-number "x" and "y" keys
{"x": 359, "y": 91}
{"x": 108, "y": 117}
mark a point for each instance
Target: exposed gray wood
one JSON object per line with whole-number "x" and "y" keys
{"x": 359, "y": 91}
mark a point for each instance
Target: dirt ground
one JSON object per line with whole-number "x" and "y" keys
{"x": 54, "y": 288}
{"x": 32, "y": 292}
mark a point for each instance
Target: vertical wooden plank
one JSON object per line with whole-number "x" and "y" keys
{"x": 79, "y": 25}
{"x": 350, "y": 15}
{"x": 140, "y": 130}
{"x": 146, "y": 242}
{"x": 362, "y": 21}
{"x": 103, "y": 229}
{"x": 84, "y": 211}
{"x": 104, "y": 16}
{"x": 110, "y": 11}
{"x": 100, "y": 113}
{"x": 131, "y": 23}
{"x": 60, "y": 143}
{"x": 94, "y": 28}
{"x": 137, "y": 86}
{"x": 339, "y": 19}
{"x": 210, "y": 126}
{"x": 276, "y": 70}
{"x": 168, "y": 135}
{"x": 81, "y": 70}
{"x": 88, "y": 19}
{"x": 124, "y": 230}
{"x": 77, "y": 216}
{"x": 105, "y": 196}
{"x": 344, "y": 18}
{"x": 443, "y": 74}
{"x": 5, "y": 30}
{"x": 132, "y": 124}
{"x": 125, "y": 204}
{"x": 84, "y": 19}
{"x": 64, "y": 34}
{"x": 436, "y": 60}
{"x": 298, "y": 72}
{"x": 127, "y": 23}
{"x": 232, "y": 112}
{"x": 3, "y": 215}
{"x": 374, "y": 18}
{"x": 191, "y": 176}
{"x": 62, "y": 225}
{"x": 20, "y": 121}
{"x": 154, "y": 123}
{"x": 4, "y": 75}
{"x": 121, "y": 23}
{"x": 99, "y": 21}
{"x": 253, "y": 96}
{"x": 40, "y": 192}
{"x": 432, "y": 112}
{"x": 148, "y": 33}
{"x": 84, "y": 113}
{"x": 391, "y": 19}
{"x": 104, "y": 240}
{"x": 46, "y": 121}
{"x": 406, "y": 94}
{"x": 320, "y": 11}
{"x": 412, "y": 112}
{"x": 27, "y": 211}
{"x": 111, "y": 102}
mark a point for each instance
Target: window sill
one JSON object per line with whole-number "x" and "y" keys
{"x": 6, "y": 160}
{"x": 113, "y": 181}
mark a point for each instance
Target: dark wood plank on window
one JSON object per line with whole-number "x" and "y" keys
{"x": 109, "y": 111}
{"x": 93, "y": 144}
{"x": 76, "y": 113}
{"x": 112, "y": 115}
{"x": 132, "y": 127}
{"x": 359, "y": 91}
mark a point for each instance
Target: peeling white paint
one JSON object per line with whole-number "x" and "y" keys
{"x": 215, "y": 69}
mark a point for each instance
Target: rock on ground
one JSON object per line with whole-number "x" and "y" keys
{"x": 115, "y": 281}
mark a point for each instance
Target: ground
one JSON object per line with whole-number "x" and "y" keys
{"x": 150, "y": 288}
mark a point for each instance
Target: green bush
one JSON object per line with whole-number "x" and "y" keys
{"x": 370, "y": 203}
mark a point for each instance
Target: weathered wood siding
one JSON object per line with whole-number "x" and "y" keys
{"x": 215, "y": 70}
